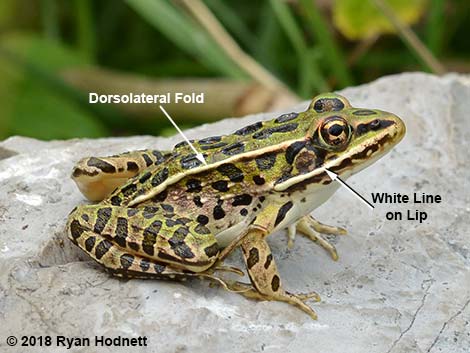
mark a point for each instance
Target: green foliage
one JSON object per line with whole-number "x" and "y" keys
{"x": 34, "y": 102}
{"x": 182, "y": 30}
{"x": 310, "y": 46}
{"x": 358, "y": 19}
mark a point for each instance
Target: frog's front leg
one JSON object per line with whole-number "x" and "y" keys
{"x": 312, "y": 229}
{"x": 97, "y": 177}
{"x": 264, "y": 276}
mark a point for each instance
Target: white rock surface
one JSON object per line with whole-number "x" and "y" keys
{"x": 398, "y": 286}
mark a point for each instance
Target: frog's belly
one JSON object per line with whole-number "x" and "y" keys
{"x": 300, "y": 209}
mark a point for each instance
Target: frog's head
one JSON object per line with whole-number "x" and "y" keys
{"x": 353, "y": 138}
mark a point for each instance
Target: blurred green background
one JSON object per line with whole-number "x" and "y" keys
{"x": 247, "y": 56}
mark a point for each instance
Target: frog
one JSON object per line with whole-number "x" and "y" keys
{"x": 167, "y": 214}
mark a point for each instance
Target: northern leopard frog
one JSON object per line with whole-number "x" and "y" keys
{"x": 164, "y": 214}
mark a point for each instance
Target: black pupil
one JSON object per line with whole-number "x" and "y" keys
{"x": 336, "y": 130}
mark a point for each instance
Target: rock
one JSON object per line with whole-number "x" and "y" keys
{"x": 399, "y": 286}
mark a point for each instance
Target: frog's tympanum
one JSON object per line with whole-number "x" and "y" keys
{"x": 165, "y": 214}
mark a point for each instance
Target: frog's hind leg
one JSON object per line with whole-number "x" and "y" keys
{"x": 97, "y": 177}
{"x": 138, "y": 242}
{"x": 311, "y": 228}
{"x": 265, "y": 277}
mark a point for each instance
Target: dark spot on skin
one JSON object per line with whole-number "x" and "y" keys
{"x": 263, "y": 134}
{"x": 132, "y": 167}
{"x": 146, "y": 176}
{"x": 102, "y": 217}
{"x": 182, "y": 143}
{"x": 286, "y": 117}
{"x": 243, "y": 199}
{"x": 190, "y": 161}
{"x": 253, "y": 258}
{"x": 201, "y": 229}
{"x": 212, "y": 250}
{"x": 121, "y": 232}
{"x": 374, "y": 125}
{"x": 275, "y": 283}
{"x": 220, "y": 185}
{"x": 183, "y": 220}
{"x": 126, "y": 261}
{"x": 120, "y": 169}
{"x": 149, "y": 212}
{"x": 132, "y": 211}
{"x": 233, "y": 149}
{"x": 213, "y": 146}
{"x": 328, "y": 104}
{"x": 231, "y": 171}
{"x": 147, "y": 159}
{"x": 267, "y": 263}
{"x": 209, "y": 140}
{"x": 197, "y": 201}
{"x": 293, "y": 150}
{"x": 129, "y": 189}
{"x": 218, "y": 211}
{"x": 101, "y": 165}
{"x": 281, "y": 214}
{"x": 158, "y": 268}
{"x": 133, "y": 245}
{"x": 181, "y": 232}
{"x": 77, "y": 172}
{"x": 364, "y": 112}
{"x": 178, "y": 244}
{"x": 303, "y": 200}
{"x": 116, "y": 201}
{"x": 261, "y": 198}
{"x": 159, "y": 158}
{"x": 168, "y": 208}
{"x": 85, "y": 217}
{"x": 202, "y": 219}
{"x": 258, "y": 180}
{"x": 266, "y": 161}
{"x": 144, "y": 265}
{"x": 193, "y": 185}
{"x": 160, "y": 177}
{"x": 89, "y": 243}
{"x": 243, "y": 212}
{"x": 249, "y": 129}
{"x": 150, "y": 237}
{"x": 171, "y": 223}
{"x": 102, "y": 248}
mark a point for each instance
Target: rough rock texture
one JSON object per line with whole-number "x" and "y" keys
{"x": 399, "y": 286}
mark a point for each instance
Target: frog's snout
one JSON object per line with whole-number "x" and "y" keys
{"x": 396, "y": 129}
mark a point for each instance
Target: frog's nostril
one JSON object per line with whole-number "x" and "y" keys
{"x": 375, "y": 124}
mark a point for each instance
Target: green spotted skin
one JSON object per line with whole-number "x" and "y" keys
{"x": 166, "y": 214}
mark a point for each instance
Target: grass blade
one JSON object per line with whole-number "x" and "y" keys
{"x": 332, "y": 53}
{"x": 184, "y": 33}
{"x": 309, "y": 75}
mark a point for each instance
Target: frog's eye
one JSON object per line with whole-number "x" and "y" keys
{"x": 329, "y": 102}
{"x": 335, "y": 132}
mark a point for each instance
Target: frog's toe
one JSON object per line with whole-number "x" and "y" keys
{"x": 231, "y": 269}
{"x": 307, "y": 296}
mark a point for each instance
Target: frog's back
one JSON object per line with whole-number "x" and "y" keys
{"x": 233, "y": 157}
